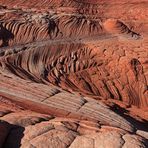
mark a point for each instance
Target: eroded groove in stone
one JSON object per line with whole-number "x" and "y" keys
{"x": 70, "y": 66}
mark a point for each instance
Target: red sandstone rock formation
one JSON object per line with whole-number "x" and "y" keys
{"x": 73, "y": 74}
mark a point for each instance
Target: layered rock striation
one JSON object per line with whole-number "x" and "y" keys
{"x": 73, "y": 74}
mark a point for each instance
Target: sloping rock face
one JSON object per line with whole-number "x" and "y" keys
{"x": 73, "y": 74}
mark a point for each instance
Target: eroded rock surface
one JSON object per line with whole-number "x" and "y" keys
{"x": 73, "y": 74}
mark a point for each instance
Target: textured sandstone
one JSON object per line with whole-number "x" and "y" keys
{"x": 73, "y": 73}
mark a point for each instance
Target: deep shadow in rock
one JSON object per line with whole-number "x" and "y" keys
{"x": 4, "y": 131}
{"x": 10, "y": 135}
{"x": 139, "y": 125}
{"x": 5, "y": 36}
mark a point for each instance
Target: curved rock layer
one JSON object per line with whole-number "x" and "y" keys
{"x": 73, "y": 73}
{"x": 76, "y": 120}
{"x": 85, "y": 69}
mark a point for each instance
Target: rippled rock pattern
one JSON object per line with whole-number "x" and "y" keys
{"x": 73, "y": 74}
